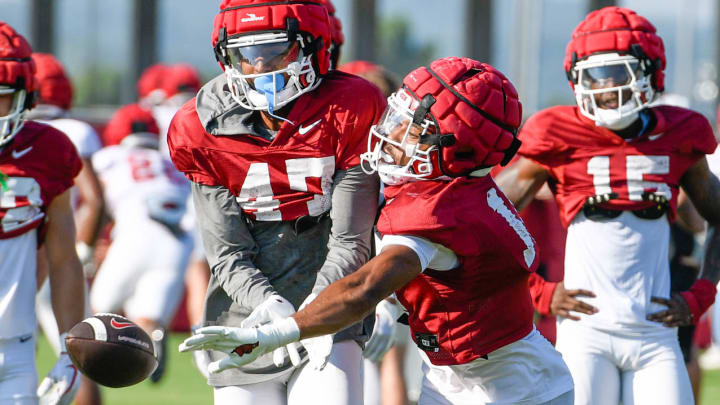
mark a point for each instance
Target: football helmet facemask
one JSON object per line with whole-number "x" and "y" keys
{"x": 394, "y": 150}
{"x": 267, "y": 71}
{"x": 612, "y": 89}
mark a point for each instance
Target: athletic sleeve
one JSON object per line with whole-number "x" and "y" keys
{"x": 354, "y": 205}
{"x": 541, "y": 292}
{"x": 431, "y": 255}
{"x": 229, "y": 246}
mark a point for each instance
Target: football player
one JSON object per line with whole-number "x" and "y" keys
{"x": 454, "y": 250}
{"x": 272, "y": 149}
{"x": 616, "y": 165}
{"x": 146, "y": 199}
{"x": 37, "y": 166}
{"x": 55, "y": 93}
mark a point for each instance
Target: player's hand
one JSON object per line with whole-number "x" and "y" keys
{"x": 318, "y": 348}
{"x": 62, "y": 382}
{"x": 677, "y": 314}
{"x": 244, "y": 345}
{"x": 563, "y": 301}
{"x": 386, "y": 315}
{"x": 273, "y": 309}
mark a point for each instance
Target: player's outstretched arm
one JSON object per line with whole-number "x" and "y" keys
{"x": 341, "y": 304}
{"x": 349, "y": 299}
{"x": 521, "y": 181}
{"x": 65, "y": 271}
{"x": 686, "y": 307}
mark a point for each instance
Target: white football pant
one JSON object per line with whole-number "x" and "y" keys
{"x": 46, "y": 316}
{"x": 143, "y": 273}
{"x": 339, "y": 383}
{"x": 610, "y": 368}
{"x": 18, "y": 378}
{"x": 528, "y": 372}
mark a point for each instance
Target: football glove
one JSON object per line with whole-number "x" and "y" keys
{"x": 318, "y": 348}
{"x": 62, "y": 382}
{"x": 244, "y": 345}
{"x": 274, "y": 308}
{"x": 386, "y": 315}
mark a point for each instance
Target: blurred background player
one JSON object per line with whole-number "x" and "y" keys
{"x": 163, "y": 89}
{"x": 453, "y": 250}
{"x": 616, "y": 165}
{"x": 144, "y": 268}
{"x": 55, "y": 94}
{"x": 283, "y": 204}
{"x": 384, "y": 380}
{"x": 37, "y": 166}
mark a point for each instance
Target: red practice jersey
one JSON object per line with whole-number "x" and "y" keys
{"x": 290, "y": 176}
{"x": 38, "y": 165}
{"x": 465, "y": 313}
{"x": 584, "y": 160}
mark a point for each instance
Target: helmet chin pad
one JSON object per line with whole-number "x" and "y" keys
{"x": 269, "y": 86}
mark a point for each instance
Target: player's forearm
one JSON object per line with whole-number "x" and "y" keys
{"x": 350, "y": 299}
{"x": 89, "y": 214}
{"x": 67, "y": 291}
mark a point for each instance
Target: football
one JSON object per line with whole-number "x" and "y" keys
{"x": 111, "y": 350}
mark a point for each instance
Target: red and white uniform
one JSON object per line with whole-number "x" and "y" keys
{"x": 624, "y": 260}
{"x": 470, "y": 310}
{"x": 290, "y": 176}
{"x": 40, "y": 164}
{"x": 146, "y": 197}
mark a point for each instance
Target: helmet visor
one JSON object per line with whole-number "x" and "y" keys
{"x": 607, "y": 76}
{"x": 261, "y": 58}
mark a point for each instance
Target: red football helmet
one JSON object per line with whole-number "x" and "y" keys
{"x": 617, "y": 57}
{"x": 54, "y": 86}
{"x": 17, "y": 78}
{"x": 149, "y": 86}
{"x": 132, "y": 125}
{"x": 464, "y": 115}
{"x": 285, "y": 43}
{"x": 338, "y": 39}
{"x": 180, "y": 83}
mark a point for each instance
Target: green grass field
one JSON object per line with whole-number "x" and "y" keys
{"x": 183, "y": 385}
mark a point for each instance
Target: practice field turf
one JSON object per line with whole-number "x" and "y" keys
{"x": 183, "y": 385}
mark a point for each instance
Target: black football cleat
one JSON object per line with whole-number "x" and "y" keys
{"x": 159, "y": 338}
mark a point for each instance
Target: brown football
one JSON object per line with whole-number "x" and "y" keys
{"x": 111, "y": 350}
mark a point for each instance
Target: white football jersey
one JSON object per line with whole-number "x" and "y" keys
{"x": 140, "y": 184}
{"x": 81, "y": 134}
{"x": 624, "y": 261}
{"x": 163, "y": 115}
{"x": 18, "y": 264}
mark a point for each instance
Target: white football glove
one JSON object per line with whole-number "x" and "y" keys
{"x": 386, "y": 315}
{"x": 272, "y": 309}
{"x": 243, "y": 344}
{"x": 318, "y": 348}
{"x": 62, "y": 382}
{"x": 201, "y": 359}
